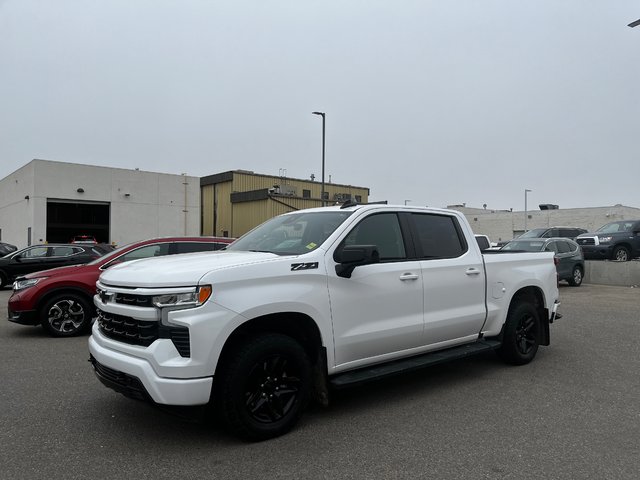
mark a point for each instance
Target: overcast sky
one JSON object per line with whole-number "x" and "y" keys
{"x": 437, "y": 102}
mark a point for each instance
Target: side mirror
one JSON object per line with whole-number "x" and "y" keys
{"x": 353, "y": 256}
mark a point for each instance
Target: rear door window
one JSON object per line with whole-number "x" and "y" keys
{"x": 438, "y": 236}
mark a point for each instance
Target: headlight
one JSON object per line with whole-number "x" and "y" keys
{"x": 604, "y": 239}
{"x": 26, "y": 283}
{"x": 185, "y": 300}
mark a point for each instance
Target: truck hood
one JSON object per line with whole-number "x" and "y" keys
{"x": 178, "y": 270}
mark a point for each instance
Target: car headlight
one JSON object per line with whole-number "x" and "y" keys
{"x": 604, "y": 239}
{"x": 185, "y": 300}
{"x": 26, "y": 283}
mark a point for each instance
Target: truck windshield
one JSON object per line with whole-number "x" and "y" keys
{"x": 535, "y": 233}
{"x": 616, "y": 227}
{"x": 291, "y": 234}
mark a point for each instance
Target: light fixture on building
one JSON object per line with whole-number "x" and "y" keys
{"x": 80, "y": 190}
{"x": 127, "y": 194}
{"x": 26, "y": 197}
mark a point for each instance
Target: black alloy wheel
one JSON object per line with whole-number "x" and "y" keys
{"x": 272, "y": 389}
{"x": 521, "y": 335}
{"x": 621, "y": 254}
{"x": 263, "y": 387}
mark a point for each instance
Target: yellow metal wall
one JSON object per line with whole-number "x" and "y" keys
{"x": 239, "y": 218}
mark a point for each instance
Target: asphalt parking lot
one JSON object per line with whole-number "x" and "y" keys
{"x": 572, "y": 413}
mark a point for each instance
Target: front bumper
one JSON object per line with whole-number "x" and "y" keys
{"x": 597, "y": 252}
{"x": 27, "y": 317}
{"x": 135, "y": 377}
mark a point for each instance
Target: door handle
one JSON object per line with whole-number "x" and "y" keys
{"x": 408, "y": 276}
{"x": 472, "y": 271}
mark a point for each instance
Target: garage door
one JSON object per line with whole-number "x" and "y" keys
{"x": 67, "y": 219}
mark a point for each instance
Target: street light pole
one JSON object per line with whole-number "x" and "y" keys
{"x": 525, "y": 209}
{"x": 322, "y": 114}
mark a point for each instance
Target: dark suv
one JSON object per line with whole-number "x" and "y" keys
{"x": 615, "y": 241}
{"x": 549, "y": 232}
{"x": 44, "y": 257}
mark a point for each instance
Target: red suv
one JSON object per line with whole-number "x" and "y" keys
{"x": 61, "y": 299}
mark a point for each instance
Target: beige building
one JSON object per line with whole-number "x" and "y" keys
{"x": 236, "y": 201}
{"x": 503, "y": 225}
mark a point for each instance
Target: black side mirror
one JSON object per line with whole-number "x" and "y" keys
{"x": 353, "y": 256}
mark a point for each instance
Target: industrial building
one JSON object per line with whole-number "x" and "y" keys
{"x": 47, "y": 201}
{"x": 50, "y": 201}
{"x": 236, "y": 201}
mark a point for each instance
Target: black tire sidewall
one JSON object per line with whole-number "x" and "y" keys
{"x": 572, "y": 281}
{"x": 232, "y": 382}
{"x": 509, "y": 350}
{"x": 86, "y": 306}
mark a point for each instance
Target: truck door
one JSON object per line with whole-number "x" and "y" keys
{"x": 453, "y": 278}
{"x": 379, "y": 310}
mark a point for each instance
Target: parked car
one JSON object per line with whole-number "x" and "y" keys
{"x": 568, "y": 255}
{"x": 615, "y": 241}
{"x": 550, "y": 232}
{"x": 61, "y": 299}
{"x": 6, "y": 249}
{"x": 83, "y": 239}
{"x": 43, "y": 257}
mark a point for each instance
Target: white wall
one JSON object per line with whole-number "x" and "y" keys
{"x": 154, "y": 207}
{"x": 16, "y": 211}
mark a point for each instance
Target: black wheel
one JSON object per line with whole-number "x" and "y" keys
{"x": 621, "y": 254}
{"x": 66, "y": 315}
{"x": 263, "y": 387}
{"x": 521, "y": 333}
{"x": 576, "y": 277}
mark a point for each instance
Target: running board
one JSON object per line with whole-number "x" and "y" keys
{"x": 397, "y": 367}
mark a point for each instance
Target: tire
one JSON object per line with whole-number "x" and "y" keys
{"x": 263, "y": 387}
{"x": 66, "y": 315}
{"x": 521, "y": 336}
{"x": 576, "y": 277}
{"x": 621, "y": 254}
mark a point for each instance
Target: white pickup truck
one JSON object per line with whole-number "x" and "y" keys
{"x": 311, "y": 301}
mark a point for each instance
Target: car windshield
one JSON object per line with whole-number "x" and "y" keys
{"x": 525, "y": 245}
{"x": 291, "y": 234}
{"x": 616, "y": 227}
{"x": 534, "y": 233}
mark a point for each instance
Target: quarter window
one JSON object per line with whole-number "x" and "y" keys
{"x": 438, "y": 236}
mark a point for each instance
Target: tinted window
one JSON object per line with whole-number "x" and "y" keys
{"x": 381, "y": 230}
{"x": 570, "y": 247}
{"x": 563, "y": 247}
{"x": 550, "y": 233}
{"x": 191, "y": 247}
{"x": 551, "y": 247}
{"x": 64, "y": 251}
{"x": 35, "y": 252}
{"x": 438, "y": 236}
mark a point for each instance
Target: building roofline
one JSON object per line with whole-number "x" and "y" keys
{"x": 228, "y": 176}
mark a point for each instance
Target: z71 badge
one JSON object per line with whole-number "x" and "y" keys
{"x": 303, "y": 266}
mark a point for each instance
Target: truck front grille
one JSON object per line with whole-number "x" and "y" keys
{"x": 138, "y": 332}
{"x": 586, "y": 241}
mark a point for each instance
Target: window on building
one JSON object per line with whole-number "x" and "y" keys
{"x": 306, "y": 193}
{"x": 359, "y": 198}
